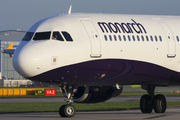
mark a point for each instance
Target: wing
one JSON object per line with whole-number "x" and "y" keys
{"x": 10, "y": 50}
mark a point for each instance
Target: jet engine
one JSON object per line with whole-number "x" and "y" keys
{"x": 95, "y": 94}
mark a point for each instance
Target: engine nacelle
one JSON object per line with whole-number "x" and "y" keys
{"x": 95, "y": 94}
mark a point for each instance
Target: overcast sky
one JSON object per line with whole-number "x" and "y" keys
{"x": 22, "y": 14}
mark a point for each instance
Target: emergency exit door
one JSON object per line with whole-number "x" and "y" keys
{"x": 94, "y": 38}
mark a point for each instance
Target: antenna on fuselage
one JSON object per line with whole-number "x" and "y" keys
{"x": 69, "y": 12}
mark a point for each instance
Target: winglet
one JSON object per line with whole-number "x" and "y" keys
{"x": 10, "y": 47}
{"x": 69, "y": 12}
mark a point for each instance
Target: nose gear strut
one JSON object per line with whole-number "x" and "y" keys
{"x": 67, "y": 110}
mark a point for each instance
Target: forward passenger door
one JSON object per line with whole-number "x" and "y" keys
{"x": 94, "y": 38}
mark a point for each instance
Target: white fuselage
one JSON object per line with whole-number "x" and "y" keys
{"x": 99, "y": 37}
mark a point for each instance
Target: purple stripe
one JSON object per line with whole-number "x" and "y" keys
{"x": 110, "y": 72}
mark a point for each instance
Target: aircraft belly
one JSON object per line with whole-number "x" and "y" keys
{"x": 110, "y": 72}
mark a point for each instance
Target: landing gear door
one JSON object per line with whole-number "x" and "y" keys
{"x": 170, "y": 40}
{"x": 94, "y": 38}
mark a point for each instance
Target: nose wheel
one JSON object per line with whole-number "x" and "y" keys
{"x": 67, "y": 110}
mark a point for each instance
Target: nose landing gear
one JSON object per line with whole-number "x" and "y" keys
{"x": 67, "y": 110}
{"x": 150, "y": 102}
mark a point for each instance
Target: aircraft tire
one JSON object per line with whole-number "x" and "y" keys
{"x": 67, "y": 111}
{"x": 146, "y": 104}
{"x": 159, "y": 103}
{"x": 61, "y": 111}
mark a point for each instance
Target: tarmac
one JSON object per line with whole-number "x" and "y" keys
{"x": 172, "y": 113}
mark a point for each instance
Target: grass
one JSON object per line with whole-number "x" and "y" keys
{"x": 54, "y": 107}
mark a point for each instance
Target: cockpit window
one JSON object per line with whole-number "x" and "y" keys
{"x": 42, "y": 36}
{"x": 67, "y": 36}
{"x": 28, "y": 36}
{"x": 57, "y": 36}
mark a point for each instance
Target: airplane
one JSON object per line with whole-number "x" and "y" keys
{"x": 92, "y": 55}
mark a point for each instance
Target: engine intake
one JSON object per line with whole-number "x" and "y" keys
{"x": 95, "y": 94}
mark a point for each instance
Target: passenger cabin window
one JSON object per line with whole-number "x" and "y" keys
{"x": 57, "y": 36}
{"x": 67, "y": 36}
{"x": 147, "y": 38}
{"x": 142, "y": 38}
{"x": 160, "y": 38}
{"x": 124, "y": 37}
{"x": 119, "y": 37}
{"x": 129, "y": 38}
{"x": 105, "y": 37}
{"x": 110, "y": 37}
{"x": 42, "y": 36}
{"x": 138, "y": 38}
{"x": 177, "y": 38}
{"x": 156, "y": 38}
{"x": 151, "y": 38}
{"x": 133, "y": 37}
{"x": 28, "y": 36}
{"x": 115, "y": 38}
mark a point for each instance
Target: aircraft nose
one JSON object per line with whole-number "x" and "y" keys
{"x": 27, "y": 62}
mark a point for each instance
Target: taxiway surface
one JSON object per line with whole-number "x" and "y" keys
{"x": 172, "y": 113}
